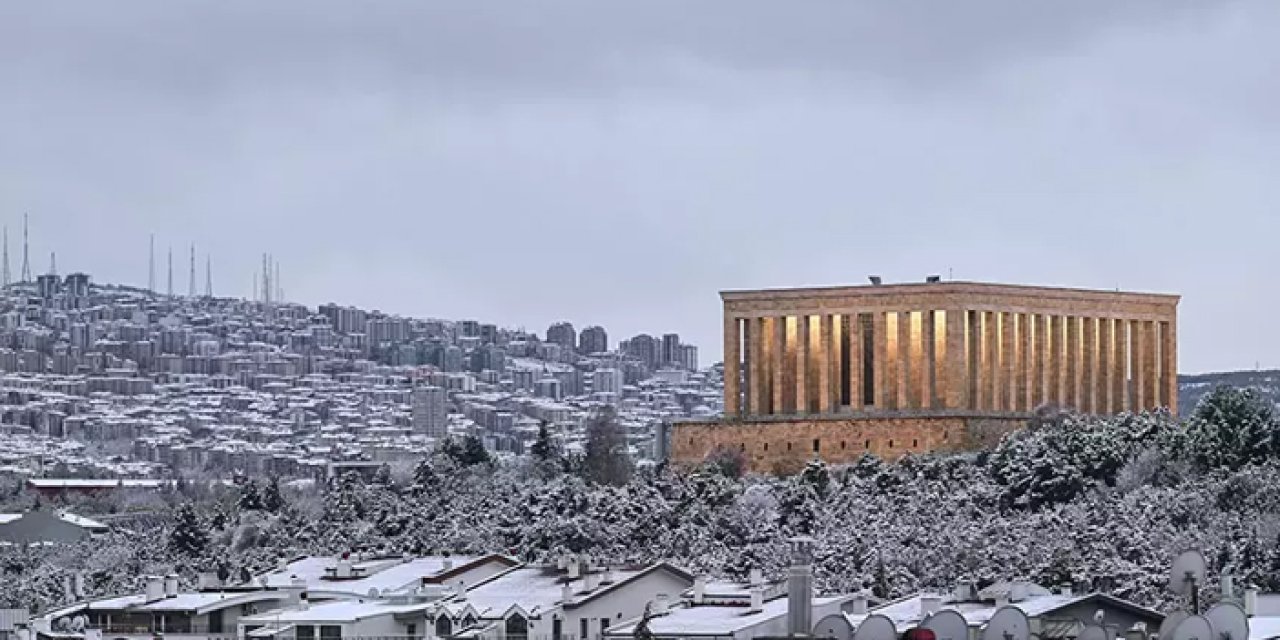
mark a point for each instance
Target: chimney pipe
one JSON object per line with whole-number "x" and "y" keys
{"x": 155, "y": 588}
{"x": 566, "y": 592}
{"x": 589, "y": 581}
{"x": 757, "y": 600}
{"x": 756, "y": 578}
{"x": 930, "y": 605}
{"x": 1251, "y": 602}
{"x": 1228, "y": 587}
{"x": 699, "y": 589}
{"x": 860, "y": 603}
{"x": 171, "y": 586}
{"x": 574, "y": 568}
{"x": 660, "y": 604}
{"x": 800, "y": 588}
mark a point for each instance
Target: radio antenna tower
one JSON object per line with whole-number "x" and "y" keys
{"x": 208, "y": 276}
{"x": 26, "y": 262}
{"x": 170, "y": 272}
{"x": 151, "y": 265}
{"x": 191, "y": 285}
{"x": 53, "y": 263}
{"x": 7, "y": 275}
{"x": 275, "y": 278}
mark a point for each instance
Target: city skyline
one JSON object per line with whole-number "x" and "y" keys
{"x": 618, "y": 167}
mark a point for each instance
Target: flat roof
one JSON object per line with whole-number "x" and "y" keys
{"x": 944, "y": 287}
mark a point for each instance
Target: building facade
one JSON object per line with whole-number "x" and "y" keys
{"x": 894, "y": 369}
{"x": 430, "y": 411}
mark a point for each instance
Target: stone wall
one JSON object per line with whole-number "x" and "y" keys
{"x": 783, "y": 446}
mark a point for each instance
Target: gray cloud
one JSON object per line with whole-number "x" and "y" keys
{"x": 619, "y": 164}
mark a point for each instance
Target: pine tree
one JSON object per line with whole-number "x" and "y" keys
{"x": 544, "y": 450}
{"x": 272, "y": 500}
{"x": 473, "y": 452}
{"x": 606, "y": 460}
{"x": 188, "y": 536}
{"x": 250, "y": 499}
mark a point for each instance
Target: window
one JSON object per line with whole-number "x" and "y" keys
{"x": 444, "y": 627}
{"x": 691, "y": 442}
{"x": 842, "y": 444}
{"x": 604, "y": 625}
{"x": 330, "y": 632}
{"x": 583, "y": 625}
{"x": 410, "y": 630}
{"x": 469, "y": 621}
{"x": 890, "y": 444}
{"x": 766, "y": 446}
{"x": 867, "y": 445}
{"x": 788, "y": 446}
{"x": 303, "y": 632}
{"x": 517, "y": 626}
{"x": 557, "y": 628}
{"x": 945, "y": 434}
{"x": 215, "y": 621}
{"x": 914, "y": 443}
{"x": 817, "y": 444}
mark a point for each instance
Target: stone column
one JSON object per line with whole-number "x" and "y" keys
{"x": 854, "y": 340}
{"x": 1102, "y": 389}
{"x": 777, "y": 361}
{"x": 990, "y": 362}
{"x": 1073, "y": 363}
{"x": 1024, "y": 402}
{"x": 1137, "y": 354}
{"x": 824, "y": 364}
{"x": 1151, "y": 382}
{"x": 1088, "y": 365}
{"x": 1169, "y": 365}
{"x": 905, "y": 392}
{"x": 1008, "y": 363}
{"x": 973, "y": 360}
{"x": 1120, "y": 367}
{"x": 955, "y": 380}
{"x": 1040, "y": 373}
{"x": 838, "y": 336}
{"x": 1056, "y": 351}
{"x": 755, "y": 372}
{"x": 880, "y": 327}
{"x": 929, "y": 396}
{"x": 732, "y": 366}
{"x": 802, "y": 365}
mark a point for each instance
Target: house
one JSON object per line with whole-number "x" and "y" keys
{"x": 356, "y": 576}
{"x": 571, "y": 599}
{"x": 161, "y": 610}
{"x": 732, "y": 611}
{"x": 399, "y": 616}
{"x": 1060, "y": 615}
{"x": 44, "y": 527}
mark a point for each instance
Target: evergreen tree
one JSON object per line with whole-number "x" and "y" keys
{"x": 250, "y": 498}
{"x": 544, "y": 449}
{"x": 473, "y": 452}
{"x": 1231, "y": 428}
{"x": 424, "y": 475}
{"x": 606, "y": 460}
{"x": 188, "y": 537}
{"x": 272, "y": 500}
{"x": 383, "y": 476}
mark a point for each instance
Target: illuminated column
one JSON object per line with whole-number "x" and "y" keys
{"x": 802, "y": 364}
{"x": 837, "y": 366}
{"x": 778, "y": 363}
{"x": 973, "y": 359}
{"x": 1120, "y": 367}
{"x": 1008, "y": 363}
{"x": 880, "y": 327}
{"x": 1137, "y": 353}
{"x": 1088, "y": 365}
{"x": 755, "y": 372}
{"x": 732, "y": 360}
{"x": 824, "y": 363}
{"x": 1072, "y": 361}
{"x": 854, "y": 340}
{"x": 929, "y": 396}
{"x": 1024, "y": 363}
{"x": 1151, "y": 382}
{"x": 955, "y": 380}
{"x": 1056, "y": 352}
{"x": 1169, "y": 365}
{"x": 1040, "y": 370}
{"x": 1102, "y": 400}
{"x": 904, "y": 360}
{"x": 990, "y": 361}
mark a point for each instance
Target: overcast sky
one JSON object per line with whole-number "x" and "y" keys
{"x": 620, "y": 163}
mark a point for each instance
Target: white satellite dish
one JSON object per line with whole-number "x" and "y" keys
{"x": 834, "y": 626}
{"x": 1170, "y": 623}
{"x": 1095, "y": 632}
{"x": 1008, "y": 623}
{"x": 876, "y": 627}
{"x": 373, "y": 592}
{"x": 1229, "y": 621}
{"x": 1187, "y": 573}
{"x": 1193, "y": 628}
{"x": 947, "y": 624}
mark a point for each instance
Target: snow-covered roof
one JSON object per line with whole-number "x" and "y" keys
{"x": 716, "y": 620}
{"x": 1264, "y": 627}
{"x": 908, "y": 612}
{"x": 336, "y": 611}
{"x": 537, "y": 589}
{"x": 386, "y": 575}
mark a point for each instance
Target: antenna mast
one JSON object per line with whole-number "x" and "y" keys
{"x": 191, "y": 285}
{"x": 53, "y": 263}
{"x": 170, "y": 272}
{"x": 26, "y": 263}
{"x": 208, "y": 276}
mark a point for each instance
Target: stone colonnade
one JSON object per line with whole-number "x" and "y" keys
{"x": 1115, "y": 354}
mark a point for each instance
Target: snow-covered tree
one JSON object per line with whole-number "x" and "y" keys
{"x": 188, "y": 536}
{"x": 606, "y": 460}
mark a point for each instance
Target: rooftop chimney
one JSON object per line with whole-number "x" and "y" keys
{"x": 208, "y": 581}
{"x": 757, "y": 600}
{"x": 171, "y": 586}
{"x": 343, "y": 570}
{"x": 566, "y": 592}
{"x": 155, "y": 588}
{"x": 756, "y": 578}
{"x": 447, "y": 564}
{"x": 800, "y": 588}
{"x": 1228, "y": 587}
{"x": 574, "y": 568}
{"x": 699, "y": 589}
{"x": 875, "y": 280}
{"x": 590, "y": 581}
{"x": 1066, "y": 589}
{"x": 1251, "y": 602}
{"x": 660, "y": 604}
{"x": 860, "y": 603}
{"x": 1003, "y": 600}
{"x": 608, "y": 577}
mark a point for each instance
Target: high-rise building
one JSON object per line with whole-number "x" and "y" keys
{"x": 606, "y": 381}
{"x": 562, "y": 333}
{"x": 670, "y": 348}
{"x": 593, "y": 339}
{"x": 688, "y": 357}
{"x": 430, "y": 411}
{"x": 644, "y": 348}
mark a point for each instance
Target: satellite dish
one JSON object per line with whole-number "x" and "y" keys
{"x": 1008, "y": 623}
{"x": 834, "y": 626}
{"x": 947, "y": 624}
{"x": 1229, "y": 621}
{"x": 1188, "y": 571}
{"x": 1170, "y": 623}
{"x": 876, "y": 627}
{"x": 1193, "y": 628}
{"x": 373, "y": 592}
